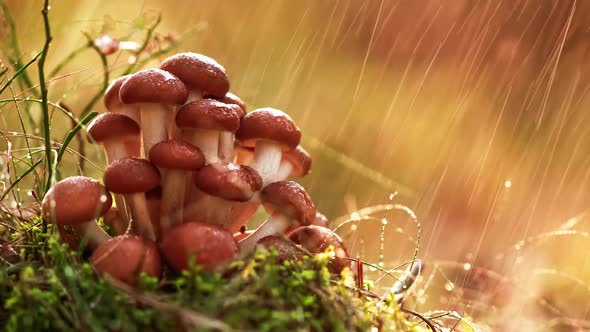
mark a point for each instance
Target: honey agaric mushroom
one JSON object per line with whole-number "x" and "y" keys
{"x": 289, "y": 204}
{"x": 77, "y": 201}
{"x": 133, "y": 177}
{"x": 114, "y": 104}
{"x": 286, "y": 249}
{"x": 125, "y": 257}
{"x": 296, "y": 162}
{"x": 177, "y": 158}
{"x": 226, "y": 184}
{"x": 211, "y": 247}
{"x": 317, "y": 239}
{"x": 202, "y": 121}
{"x": 319, "y": 220}
{"x": 269, "y": 131}
{"x": 156, "y": 92}
{"x": 201, "y": 74}
{"x": 226, "y": 139}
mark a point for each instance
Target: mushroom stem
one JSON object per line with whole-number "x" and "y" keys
{"x": 226, "y": 146}
{"x": 115, "y": 150}
{"x": 284, "y": 171}
{"x": 129, "y": 110}
{"x": 194, "y": 95}
{"x": 277, "y": 223}
{"x": 154, "y": 125}
{"x": 172, "y": 199}
{"x": 93, "y": 234}
{"x": 206, "y": 140}
{"x": 267, "y": 160}
{"x": 140, "y": 215}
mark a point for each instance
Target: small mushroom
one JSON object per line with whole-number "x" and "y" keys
{"x": 125, "y": 257}
{"x": 202, "y": 121}
{"x": 133, "y": 177}
{"x": 226, "y": 139}
{"x": 269, "y": 131}
{"x": 296, "y": 162}
{"x": 317, "y": 239}
{"x": 211, "y": 247}
{"x": 319, "y": 220}
{"x": 289, "y": 204}
{"x": 286, "y": 249}
{"x": 77, "y": 201}
{"x": 177, "y": 158}
{"x": 156, "y": 93}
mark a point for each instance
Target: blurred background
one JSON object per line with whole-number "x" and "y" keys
{"x": 476, "y": 113}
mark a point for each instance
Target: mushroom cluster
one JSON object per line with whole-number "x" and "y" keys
{"x": 187, "y": 169}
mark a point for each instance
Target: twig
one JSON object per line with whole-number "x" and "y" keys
{"x": 148, "y": 37}
{"x": 424, "y": 319}
{"x": 105, "y": 75}
{"x": 44, "y": 104}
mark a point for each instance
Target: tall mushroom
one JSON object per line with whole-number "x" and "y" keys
{"x": 77, "y": 201}
{"x": 177, "y": 158}
{"x": 269, "y": 131}
{"x": 156, "y": 93}
{"x": 289, "y": 203}
{"x": 211, "y": 247}
{"x": 125, "y": 257}
{"x": 296, "y": 162}
{"x": 133, "y": 177}
{"x": 202, "y": 121}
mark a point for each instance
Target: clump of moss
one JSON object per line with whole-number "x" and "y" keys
{"x": 54, "y": 289}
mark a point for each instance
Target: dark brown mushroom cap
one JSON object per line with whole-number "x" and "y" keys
{"x": 212, "y": 246}
{"x": 300, "y": 160}
{"x": 173, "y": 154}
{"x": 75, "y": 200}
{"x": 198, "y": 72}
{"x": 228, "y": 181}
{"x": 269, "y": 124}
{"x": 317, "y": 239}
{"x": 231, "y": 98}
{"x": 290, "y": 199}
{"x": 111, "y": 95}
{"x": 112, "y": 125}
{"x": 125, "y": 257}
{"x": 131, "y": 175}
{"x": 208, "y": 114}
{"x": 153, "y": 86}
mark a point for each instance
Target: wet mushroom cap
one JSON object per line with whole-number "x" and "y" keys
{"x": 212, "y": 246}
{"x": 111, "y": 95}
{"x": 300, "y": 160}
{"x": 175, "y": 154}
{"x": 112, "y": 125}
{"x": 125, "y": 257}
{"x": 76, "y": 200}
{"x": 232, "y": 99}
{"x": 269, "y": 124}
{"x": 198, "y": 72}
{"x": 290, "y": 199}
{"x": 317, "y": 239}
{"x": 286, "y": 249}
{"x": 208, "y": 114}
{"x": 131, "y": 175}
{"x": 153, "y": 86}
{"x": 228, "y": 181}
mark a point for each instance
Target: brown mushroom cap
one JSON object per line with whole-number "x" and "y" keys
{"x": 300, "y": 160}
{"x": 286, "y": 250}
{"x": 208, "y": 114}
{"x": 228, "y": 181}
{"x": 125, "y": 257}
{"x": 290, "y": 199}
{"x": 131, "y": 175}
{"x": 111, "y": 95}
{"x": 231, "y": 98}
{"x": 153, "y": 86}
{"x": 75, "y": 200}
{"x": 269, "y": 124}
{"x": 112, "y": 125}
{"x": 212, "y": 246}
{"x": 198, "y": 72}
{"x": 317, "y": 239}
{"x": 175, "y": 154}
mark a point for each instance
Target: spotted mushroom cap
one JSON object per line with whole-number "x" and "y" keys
{"x": 153, "y": 86}
{"x": 228, "y": 181}
{"x": 111, "y": 126}
{"x": 76, "y": 200}
{"x": 290, "y": 199}
{"x": 131, "y": 175}
{"x": 269, "y": 124}
{"x": 125, "y": 257}
{"x": 208, "y": 114}
{"x": 300, "y": 160}
{"x": 173, "y": 154}
{"x": 198, "y": 72}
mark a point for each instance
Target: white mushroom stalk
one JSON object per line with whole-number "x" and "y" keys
{"x": 173, "y": 190}
{"x": 92, "y": 234}
{"x": 140, "y": 216}
{"x": 226, "y": 146}
{"x": 153, "y": 128}
{"x": 276, "y": 224}
{"x": 284, "y": 171}
{"x": 205, "y": 139}
{"x": 267, "y": 160}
